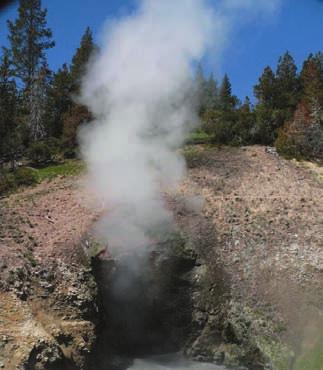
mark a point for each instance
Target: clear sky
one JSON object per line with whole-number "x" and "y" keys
{"x": 298, "y": 27}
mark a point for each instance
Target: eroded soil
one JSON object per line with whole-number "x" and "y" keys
{"x": 267, "y": 215}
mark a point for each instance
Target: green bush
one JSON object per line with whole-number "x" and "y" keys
{"x": 39, "y": 153}
{"x": 198, "y": 137}
{"x": 195, "y": 157}
{"x": 25, "y": 176}
{"x": 7, "y": 182}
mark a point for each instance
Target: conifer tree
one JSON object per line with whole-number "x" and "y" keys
{"x": 59, "y": 101}
{"x": 245, "y": 124}
{"x": 200, "y": 89}
{"x": 287, "y": 85}
{"x": 264, "y": 131}
{"x": 265, "y": 90}
{"x": 38, "y": 100}
{"x": 312, "y": 80}
{"x": 81, "y": 58}
{"x": 29, "y": 39}
{"x": 78, "y": 114}
{"x": 227, "y": 101}
{"x": 211, "y": 93}
{"x": 9, "y": 138}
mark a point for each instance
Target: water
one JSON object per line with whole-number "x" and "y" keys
{"x": 172, "y": 363}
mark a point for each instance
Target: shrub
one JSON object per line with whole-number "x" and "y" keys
{"x": 39, "y": 153}
{"x": 25, "y": 176}
{"x": 198, "y": 137}
{"x": 195, "y": 157}
{"x": 302, "y": 137}
{"x": 7, "y": 182}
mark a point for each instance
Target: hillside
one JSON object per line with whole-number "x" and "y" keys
{"x": 267, "y": 215}
{"x": 259, "y": 236}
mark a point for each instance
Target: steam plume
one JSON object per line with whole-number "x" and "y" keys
{"x": 139, "y": 90}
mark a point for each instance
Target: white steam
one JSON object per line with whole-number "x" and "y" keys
{"x": 139, "y": 90}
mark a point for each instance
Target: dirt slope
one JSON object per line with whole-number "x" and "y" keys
{"x": 47, "y": 305}
{"x": 267, "y": 214}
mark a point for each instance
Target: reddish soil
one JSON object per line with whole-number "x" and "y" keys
{"x": 47, "y": 221}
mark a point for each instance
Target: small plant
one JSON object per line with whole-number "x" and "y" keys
{"x": 25, "y": 176}
{"x": 39, "y": 153}
{"x": 194, "y": 156}
{"x": 198, "y": 137}
{"x": 43, "y": 152}
{"x": 7, "y": 182}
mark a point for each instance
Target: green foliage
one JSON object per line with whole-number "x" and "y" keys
{"x": 25, "y": 176}
{"x": 11, "y": 180}
{"x": 59, "y": 101}
{"x": 42, "y": 152}
{"x": 81, "y": 58}
{"x": 198, "y": 137}
{"x": 265, "y": 91}
{"x": 39, "y": 153}
{"x": 195, "y": 156}
{"x": 29, "y": 38}
{"x": 77, "y": 115}
{"x": 211, "y": 96}
{"x": 68, "y": 168}
{"x": 311, "y": 79}
{"x": 9, "y": 136}
{"x": 312, "y": 359}
{"x": 7, "y": 182}
{"x": 264, "y": 130}
{"x": 227, "y": 101}
{"x": 206, "y": 91}
{"x": 287, "y": 85}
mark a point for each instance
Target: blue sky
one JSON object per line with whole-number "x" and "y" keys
{"x": 298, "y": 27}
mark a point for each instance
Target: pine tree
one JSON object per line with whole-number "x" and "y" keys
{"x": 81, "y": 58}
{"x": 227, "y": 101}
{"x": 266, "y": 89}
{"x": 38, "y": 100}
{"x": 29, "y": 39}
{"x": 200, "y": 89}
{"x": 245, "y": 123}
{"x": 287, "y": 85}
{"x": 312, "y": 80}
{"x": 211, "y": 93}
{"x": 59, "y": 101}
{"x": 9, "y": 138}
{"x": 78, "y": 114}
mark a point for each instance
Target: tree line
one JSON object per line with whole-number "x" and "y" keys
{"x": 38, "y": 115}
{"x": 288, "y": 112}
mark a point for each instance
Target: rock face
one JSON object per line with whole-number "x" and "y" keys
{"x": 53, "y": 325}
{"x": 48, "y": 296}
{"x": 258, "y": 286}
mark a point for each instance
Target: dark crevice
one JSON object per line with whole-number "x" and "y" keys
{"x": 146, "y": 308}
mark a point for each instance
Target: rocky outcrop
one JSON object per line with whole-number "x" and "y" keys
{"x": 48, "y": 303}
{"x": 48, "y": 318}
